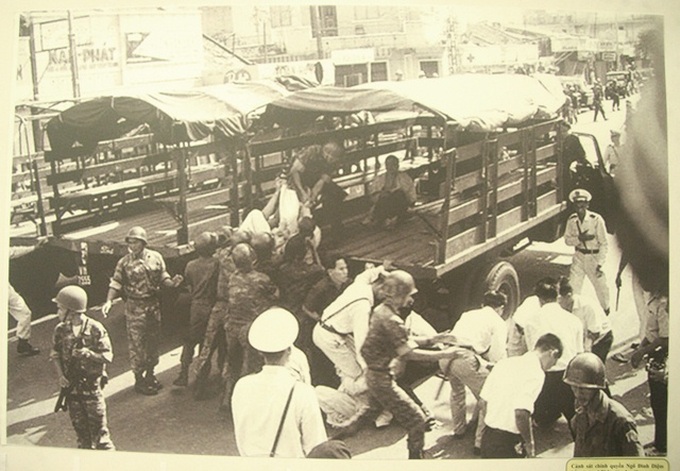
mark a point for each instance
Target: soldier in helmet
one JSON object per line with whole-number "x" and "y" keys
{"x": 138, "y": 277}
{"x": 587, "y": 233}
{"x": 81, "y": 349}
{"x": 250, "y": 293}
{"x": 601, "y": 426}
{"x": 200, "y": 275}
{"x": 387, "y": 340}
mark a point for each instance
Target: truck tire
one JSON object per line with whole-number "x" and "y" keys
{"x": 503, "y": 277}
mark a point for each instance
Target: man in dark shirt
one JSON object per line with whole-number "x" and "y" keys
{"x": 319, "y": 297}
{"x": 295, "y": 278}
{"x": 601, "y": 426}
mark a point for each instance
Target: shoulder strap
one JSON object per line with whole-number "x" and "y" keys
{"x": 283, "y": 419}
{"x": 338, "y": 311}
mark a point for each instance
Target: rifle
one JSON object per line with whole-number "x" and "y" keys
{"x": 65, "y": 392}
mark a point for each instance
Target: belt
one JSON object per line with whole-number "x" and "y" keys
{"x": 330, "y": 329}
{"x": 142, "y": 298}
{"x": 588, "y": 252}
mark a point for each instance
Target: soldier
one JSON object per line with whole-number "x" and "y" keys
{"x": 80, "y": 352}
{"x": 601, "y": 426}
{"x": 201, "y": 277}
{"x": 598, "y": 96}
{"x": 139, "y": 276}
{"x": 482, "y": 335}
{"x": 587, "y": 233}
{"x": 215, "y": 335}
{"x": 388, "y": 340}
{"x": 250, "y": 293}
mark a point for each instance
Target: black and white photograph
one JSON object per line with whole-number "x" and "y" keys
{"x": 379, "y": 232}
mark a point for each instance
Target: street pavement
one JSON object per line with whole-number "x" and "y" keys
{"x": 172, "y": 422}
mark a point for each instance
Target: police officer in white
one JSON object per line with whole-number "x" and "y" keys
{"x": 587, "y": 233}
{"x": 274, "y": 413}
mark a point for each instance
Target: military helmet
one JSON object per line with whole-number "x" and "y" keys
{"x": 138, "y": 233}
{"x": 585, "y": 370}
{"x": 205, "y": 240}
{"x": 243, "y": 256}
{"x": 399, "y": 283}
{"x": 73, "y": 298}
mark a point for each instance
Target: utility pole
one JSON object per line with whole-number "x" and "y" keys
{"x": 74, "y": 57}
{"x": 316, "y": 25}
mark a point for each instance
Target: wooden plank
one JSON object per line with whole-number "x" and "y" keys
{"x": 359, "y": 132}
{"x": 469, "y": 151}
{"x": 547, "y": 201}
{"x": 545, "y": 152}
{"x": 70, "y": 153}
{"x": 464, "y": 241}
{"x": 111, "y": 166}
{"x": 509, "y": 219}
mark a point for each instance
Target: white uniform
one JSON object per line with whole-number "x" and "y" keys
{"x": 588, "y": 255}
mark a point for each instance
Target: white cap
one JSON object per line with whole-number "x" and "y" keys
{"x": 580, "y": 194}
{"x": 273, "y": 331}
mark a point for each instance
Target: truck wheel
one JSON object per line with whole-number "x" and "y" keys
{"x": 503, "y": 278}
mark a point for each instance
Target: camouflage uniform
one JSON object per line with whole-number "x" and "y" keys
{"x": 85, "y": 402}
{"x": 386, "y": 335}
{"x": 215, "y": 336}
{"x": 139, "y": 280}
{"x": 249, "y": 295}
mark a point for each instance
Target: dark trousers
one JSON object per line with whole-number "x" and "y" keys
{"x": 658, "y": 397}
{"x": 555, "y": 399}
{"x": 601, "y": 348}
{"x": 598, "y": 109}
{"x": 501, "y": 444}
{"x": 616, "y": 102}
{"x": 389, "y": 205}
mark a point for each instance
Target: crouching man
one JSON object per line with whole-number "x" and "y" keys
{"x": 81, "y": 349}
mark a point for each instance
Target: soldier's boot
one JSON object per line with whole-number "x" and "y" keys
{"x": 183, "y": 378}
{"x": 152, "y": 381}
{"x": 201, "y": 392}
{"x": 416, "y": 454}
{"x": 24, "y": 348}
{"x": 143, "y": 387}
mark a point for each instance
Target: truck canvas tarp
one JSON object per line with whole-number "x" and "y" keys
{"x": 497, "y": 100}
{"x": 199, "y": 112}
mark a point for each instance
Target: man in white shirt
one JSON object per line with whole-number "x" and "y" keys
{"x": 508, "y": 398}
{"x": 597, "y": 329}
{"x": 344, "y": 324}
{"x": 516, "y": 343}
{"x": 556, "y": 397}
{"x": 481, "y": 335}
{"x": 274, "y": 413}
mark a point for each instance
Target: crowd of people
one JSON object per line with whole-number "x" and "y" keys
{"x": 306, "y": 353}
